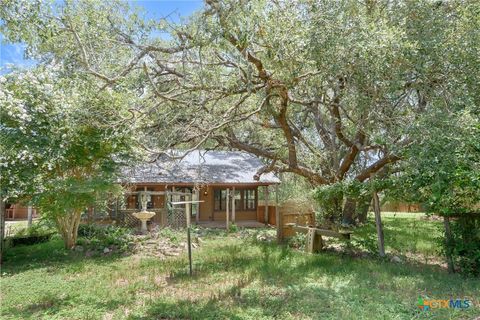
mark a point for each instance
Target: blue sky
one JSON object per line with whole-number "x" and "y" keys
{"x": 14, "y": 53}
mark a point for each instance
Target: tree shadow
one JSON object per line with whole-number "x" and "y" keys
{"x": 290, "y": 274}
{"x": 51, "y": 254}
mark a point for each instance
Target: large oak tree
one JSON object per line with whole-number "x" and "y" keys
{"x": 327, "y": 90}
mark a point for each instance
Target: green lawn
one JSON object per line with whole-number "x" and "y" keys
{"x": 406, "y": 234}
{"x": 235, "y": 278}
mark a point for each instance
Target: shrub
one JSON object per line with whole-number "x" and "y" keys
{"x": 37, "y": 233}
{"x": 98, "y": 236}
{"x": 233, "y": 228}
{"x": 367, "y": 242}
{"x": 465, "y": 244}
{"x": 297, "y": 241}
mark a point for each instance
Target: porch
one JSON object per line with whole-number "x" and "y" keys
{"x": 239, "y": 223}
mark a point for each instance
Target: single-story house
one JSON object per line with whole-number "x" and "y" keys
{"x": 221, "y": 182}
{"x": 17, "y": 211}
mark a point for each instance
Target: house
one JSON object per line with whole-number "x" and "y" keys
{"x": 221, "y": 182}
{"x": 17, "y": 211}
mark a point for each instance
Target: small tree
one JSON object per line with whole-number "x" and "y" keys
{"x": 443, "y": 173}
{"x": 63, "y": 142}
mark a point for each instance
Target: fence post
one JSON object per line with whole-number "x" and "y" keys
{"x": 278, "y": 218}
{"x": 227, "y": 213}
{"x": 265, "y": 215}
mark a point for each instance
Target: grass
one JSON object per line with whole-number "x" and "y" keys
{"x": 235, "y": 278}
{"x": 405, "y": 234}
{"x": 12, "y": 227}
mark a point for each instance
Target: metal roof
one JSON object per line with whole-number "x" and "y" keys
{"x": 200, "y": 166}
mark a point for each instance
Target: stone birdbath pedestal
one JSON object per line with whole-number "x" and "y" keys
{"x": 143, "y": 215}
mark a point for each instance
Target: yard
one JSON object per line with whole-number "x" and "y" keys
{"x": 237, "y": 276}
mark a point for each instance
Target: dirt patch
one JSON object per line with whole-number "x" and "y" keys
{"x": 156, "y": 245}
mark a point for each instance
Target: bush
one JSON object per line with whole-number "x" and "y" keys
{"x": 37, "y": 233}
{"x": 368, "y": 242}
{"x": 465, "y": 244}
{"x": 298, "y": 241}
{"x": 233, "y": 228}
{"x": 97, "y": 236}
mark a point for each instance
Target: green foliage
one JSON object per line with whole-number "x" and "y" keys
{"x": 330, "y": 201}
{"x": 39, "y": 232}
{"x": 233, "y": 278}
{"x": 443, "y": 169}
{"x": 97, "y": 237}
{"x": 298, "y": 241}
{"x": 63, "y": 142}
{"x": 175, "y": 236}
{"x": 465, "y": 244}
{"x": 233, "y": 228}
{"x": 37, "y": 229}
{"x": 330, "y": 198}
{"x": 369, "y": 243}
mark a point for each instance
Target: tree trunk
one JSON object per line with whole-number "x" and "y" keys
{"x": 362, "y": 208}
{"x": 349, "y": 211}
{"x": 2, "y": 228}
{"x": 68, "y": 227}
{"x": 448, "y": 244}
{"x": 378, "y": 222}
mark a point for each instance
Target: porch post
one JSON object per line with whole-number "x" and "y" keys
{"x": 29, "y": 215}
{"x": 197, "y": 198}
{"x": 265, "y": 214}
{"x": 227, "y": 213}
{"x": 165, "y": 207}
{"x": 278, "y": 219}
{"x": 233, "y": 205}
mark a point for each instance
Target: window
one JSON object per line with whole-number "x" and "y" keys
{"x": 250, "y": 199}
{"x": 220, "y": 197}
{"x": 245, "y": 199}
{"x": 238, "y": 200}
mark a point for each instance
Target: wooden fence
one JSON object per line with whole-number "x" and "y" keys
{"x": 300, "y": 213}
{"x": 401, "y": 207}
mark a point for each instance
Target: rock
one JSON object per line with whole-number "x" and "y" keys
{"x": 89, "y": 253}
{"x": 79, "y": 248}
{"x": 106, "y": 250}
{"x": 396, "y": 259}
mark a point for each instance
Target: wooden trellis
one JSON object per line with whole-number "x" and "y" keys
{"x": 176, "y": 218}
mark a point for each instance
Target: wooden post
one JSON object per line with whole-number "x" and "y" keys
{"x": 189, "y": 241}
{"x": 187, "y": 211}
{"x": 29, "y": 216}
{"x": 278, "y": 218}
{"x": 2, "y": 226}
{"x": 227, "y": 213}
{"x": 165, "y": 207}
{"x": 197, "y": 214}
{"x": 314, "y": 242}
{"x": 448, "y": 242}
{"x": 265, "y": 215}
{"x": 233, "y": 205}
{"x": 378, "y": 222}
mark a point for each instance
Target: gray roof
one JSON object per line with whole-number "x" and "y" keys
{"x": 200, "y": 166}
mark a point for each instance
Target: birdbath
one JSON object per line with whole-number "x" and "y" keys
{"x": 143, "y": 215}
